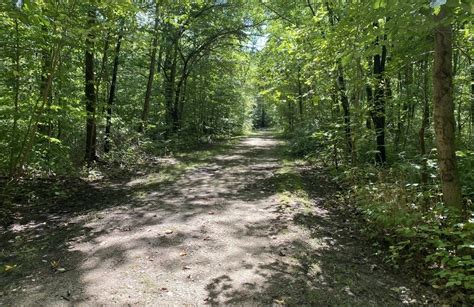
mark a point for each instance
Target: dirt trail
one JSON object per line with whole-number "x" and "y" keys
{"x": 218, "y": 234}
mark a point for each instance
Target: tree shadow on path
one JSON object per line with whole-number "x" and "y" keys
{"x": 320, "y": 259}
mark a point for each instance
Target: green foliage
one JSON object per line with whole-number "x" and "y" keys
{"x": 413, "y": 227}
{"x": 466, "y": 166}
{"x": 309, "y": 73}
{"x": 42, "y": 103}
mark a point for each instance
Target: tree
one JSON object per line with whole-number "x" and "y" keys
{"x": 110, "y": 101}
{"x": 89, "y": 88}
{"x": 151, "y": 72}
{"x": 443, "y": 110}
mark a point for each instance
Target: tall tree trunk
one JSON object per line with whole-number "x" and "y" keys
{"x": 30, "y": 136}
{"x": 90, "y": 155}
{"x": 471, "y": 125}
{"x": 443, "y": 111}
{"x": 103, "y": 73}
{"x": 182, "y": 100}
{"x": 458, "y": 103}
{"x": 110, "y": 101}
{"x": 290, "y": 115}
{"x": 170, "y": 83}
{"x": 16, "y": 100}
{"x": 424, "y": 124}
{"x": 151, "y": 74}
{"x": 177, "y": 104}
{"x": 341, "y": 85}
{"x": 370, "y": 102}
{"x": 43, "y": 126}
{"x": 300, "y": 96}
{"x": 378, "y": 110}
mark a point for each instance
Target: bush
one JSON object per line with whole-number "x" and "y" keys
{"x": 414, "y": 228}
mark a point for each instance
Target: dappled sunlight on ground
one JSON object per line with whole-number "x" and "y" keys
{"x": 216, "y": 233}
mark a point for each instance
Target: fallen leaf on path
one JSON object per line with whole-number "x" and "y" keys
{"x": 9, "y": 268}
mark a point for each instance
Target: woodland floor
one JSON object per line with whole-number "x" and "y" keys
{"x": 224, "y": 230}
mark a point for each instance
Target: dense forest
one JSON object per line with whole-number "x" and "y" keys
{"x": 377, "y": 95}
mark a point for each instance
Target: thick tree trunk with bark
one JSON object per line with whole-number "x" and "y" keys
{"x": 443, "y": 112}
{"x": 90, "y": 155}
{"x": 110, "y": 101}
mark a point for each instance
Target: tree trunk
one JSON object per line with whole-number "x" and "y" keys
{"x": 110, "y": 102}
{"x": 370, "y": 101}
{"x": 182, "y": 100}
{"x": 472, "y": 101}
{"x": 151, "y": 74}
{"x": 300, "y": 96}
{"x": 424, "y": 125}
{"x": 16, "y": 100}
{"x": 170, "y": 83}
{"x": 90, "y": 155}
{"x": 458, "y": 103}
{"x": 103, "y": 73}
{"x": 341, "y": 84}
{"x": 177, "y": 104}
{"x": 378, "y": 110}
{"x": 443, "y": 112}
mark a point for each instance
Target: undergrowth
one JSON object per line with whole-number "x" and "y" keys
{"x": 403, "y": 217}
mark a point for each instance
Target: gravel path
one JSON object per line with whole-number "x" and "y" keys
{"x": 217, "y": 235}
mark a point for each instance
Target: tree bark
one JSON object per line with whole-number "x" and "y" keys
{"x": 170, "y": 83}
{"x": 471, "y": 125}
{"x": 370, "y": 101}
{"x": 341, "y": 84}
{"x": 90, "y": 155}
{"x": 300, "y": 96}
{"x": 378, "y": 110}
{"x": 16, "y": 100}
{"x": 103, "y": 73}
{"x": 424, "y": 124}
{"x": 151, "y": 74}
{"x": 110, "y": 101}
{"x": 443, "y": 112}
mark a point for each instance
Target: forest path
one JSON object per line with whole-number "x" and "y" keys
{"x": 227, "y": 231}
